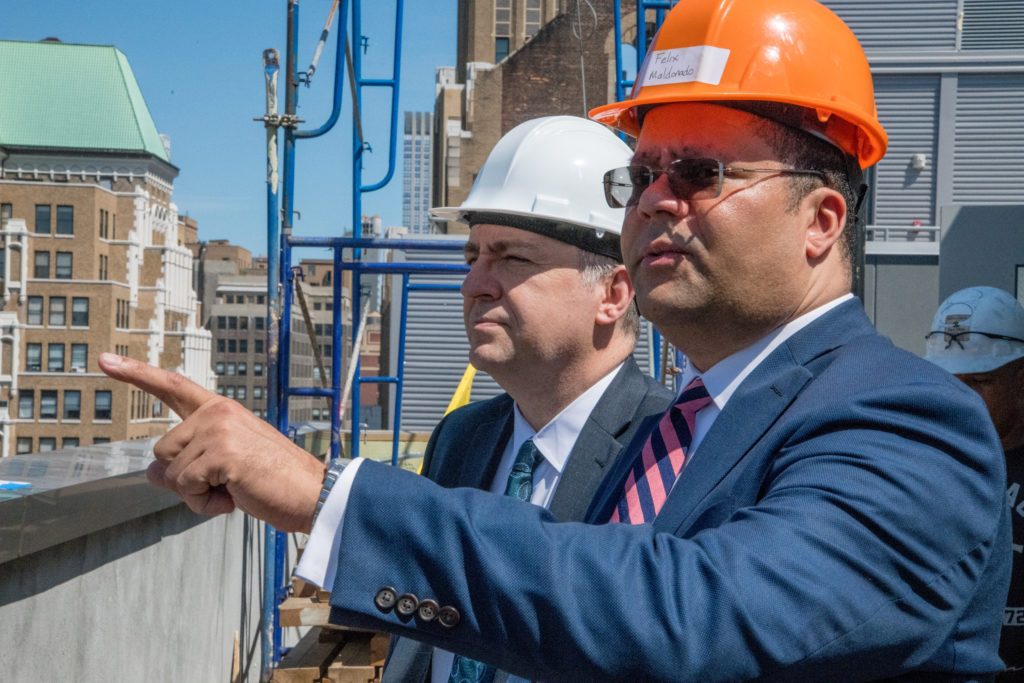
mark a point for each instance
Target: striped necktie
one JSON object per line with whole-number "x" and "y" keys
{"x": 655, "y": 470}
{"x": 520, "y": 486}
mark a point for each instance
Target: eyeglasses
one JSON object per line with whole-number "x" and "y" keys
{"x": 688, "y": 179}
{"x": 950, "y": 337}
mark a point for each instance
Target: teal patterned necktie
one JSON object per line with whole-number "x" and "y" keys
{"x": 519, "y": 486}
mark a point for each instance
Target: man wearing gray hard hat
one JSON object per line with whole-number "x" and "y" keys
{"x": 978, "y": 335}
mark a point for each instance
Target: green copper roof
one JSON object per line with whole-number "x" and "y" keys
{"x": 76, "y": 96}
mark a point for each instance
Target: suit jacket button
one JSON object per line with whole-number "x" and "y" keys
{"x": 428, "y": 610}
{"x": 385, "y": 599}
{"x": 449, "y": 616}
{"x": 406, "y": 605}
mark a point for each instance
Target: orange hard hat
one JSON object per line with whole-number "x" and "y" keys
{"x": 794, "y": 52}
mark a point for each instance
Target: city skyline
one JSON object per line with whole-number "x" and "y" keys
{"x": 199, "y": 67}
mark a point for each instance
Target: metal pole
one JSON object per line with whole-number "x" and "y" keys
{"x": 270, "y": 67}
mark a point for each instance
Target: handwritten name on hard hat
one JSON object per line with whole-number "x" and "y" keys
{"x": 702, "y": 63}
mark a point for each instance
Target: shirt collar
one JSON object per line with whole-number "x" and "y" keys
{"x": 556, "y": 439}
{"x": 725, "y": 376}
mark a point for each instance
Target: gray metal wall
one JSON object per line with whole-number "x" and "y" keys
{"x": 949, "y": 80}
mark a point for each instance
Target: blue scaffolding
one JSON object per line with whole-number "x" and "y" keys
{"x": 347, "y": 252}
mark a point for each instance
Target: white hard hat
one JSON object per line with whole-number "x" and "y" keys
{"x": 546, "y": 176}
{"x": 977, "y": 329}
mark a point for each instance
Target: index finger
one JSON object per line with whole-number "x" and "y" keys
{"x": 181, "y": 394}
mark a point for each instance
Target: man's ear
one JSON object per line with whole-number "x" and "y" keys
{"x": 827, "y": 218}
{"x": 616, "y": 296}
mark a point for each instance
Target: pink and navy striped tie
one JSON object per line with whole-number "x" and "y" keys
{"x": 659, "y": 463}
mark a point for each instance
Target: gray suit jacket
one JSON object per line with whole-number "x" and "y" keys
{"x": 466, "y": 446}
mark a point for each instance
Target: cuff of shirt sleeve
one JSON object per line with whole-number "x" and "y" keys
{"x": 319, "y": 563}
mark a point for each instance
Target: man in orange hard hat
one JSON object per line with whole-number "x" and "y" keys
{"x": 817, "y": 505}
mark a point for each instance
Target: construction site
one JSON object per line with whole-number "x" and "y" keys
{"x": 355, "y": 346}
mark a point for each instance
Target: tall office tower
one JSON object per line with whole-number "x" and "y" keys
{"x": 92, "y": 254}
{"x": 416, "y": 177}
{"x": 516, "y": 60}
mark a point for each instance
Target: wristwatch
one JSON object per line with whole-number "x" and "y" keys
{"x": 334, "y": 471}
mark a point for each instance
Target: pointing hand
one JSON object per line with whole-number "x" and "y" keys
{"x": 222, "y": 456}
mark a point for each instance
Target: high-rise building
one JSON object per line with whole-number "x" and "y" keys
{"x": 92, "y": 254}
{"x": 416, "y": 176}
{"x": 517, "y": 60}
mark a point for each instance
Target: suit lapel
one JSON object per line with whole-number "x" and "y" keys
{"x": 484, "y": 450}
{"x": 753, "y": 409}
{"x": 597, "y": 444}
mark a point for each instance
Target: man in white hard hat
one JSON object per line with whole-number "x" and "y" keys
{"x": 549, "y": 315}
{"x": 978, "y": 335}
{"x": 840, "y": 507}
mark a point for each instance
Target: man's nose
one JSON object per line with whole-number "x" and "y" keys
{"x": 658, "y": 196}
{"x": 479, "y": 281}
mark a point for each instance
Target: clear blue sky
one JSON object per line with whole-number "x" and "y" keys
{"x": 199, "y": 65}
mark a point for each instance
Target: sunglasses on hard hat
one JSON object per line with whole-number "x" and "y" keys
{"x": 688, "y": 179}
{"x": 960, "y": 337}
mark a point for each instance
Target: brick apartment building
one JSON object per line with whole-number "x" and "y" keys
{"x": 93, "y": 256}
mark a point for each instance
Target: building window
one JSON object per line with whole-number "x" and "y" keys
{"x": 72, "y": 404}
{"x": 65, "y": 219}
{"x": 42, "y": 265}
{"x": 230, "y": 392}
{"x": 257, "y": 392}
{"x": 43, "y": 219}
{"x": 231, "y": 369}
{"x": 242, "y": 369}
{"x": 220, "y": 346}
{"x": 222, "y": 322}
{"x": 63, "y": 268}
{"x": 243, "y": 323}
{"x": 232, "y": 346}
{"x": 102, "y": 411}
{"x": 260, "y": 322}
{"x": 500, "y": 49}
{"x": 532, "y": 18}
{"x": 35, "y": 310}
{"x": 104, "y": 267}
{"x": 55, "y": 358}
{"x": 104, "y": 223}
{"x": 33, "y": 357}
{"x": 220, "y": 390}
{"x": 80, "y": 311}
{"x": 69, "y": 442}
{"x": 47, "y": 444}
{"x": 243, "y": 346}
{"x": 58, "y": 311}
{"x": 79, "y": 356}
{"x": 26, "y": 404}
{"x": 48, "y": 404}
{"x": 258, "y": 345}
{"x": 257, "y": 369}
{"x": 232, "y": 323}
{"x": 24, "y": 445}
{"x": 261, "y": 299}
{"x": 219, "y": 369}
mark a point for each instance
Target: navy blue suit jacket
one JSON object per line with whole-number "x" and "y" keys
{"x": 843, "y": 519}
{"x": 466, "y": 447}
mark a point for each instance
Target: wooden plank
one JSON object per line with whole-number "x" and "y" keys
{"x": 309, "y": 659}
{"x": 295, "y": 611}
{"x": 379, "y": 644}
{"x": 352, "y": 664}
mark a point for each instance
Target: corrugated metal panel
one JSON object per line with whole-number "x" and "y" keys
{"x": 908, "y": 109}
{"x": 436, "y": 351}
{"x": 993, "y": 25}
{"x": 903, "y": 24}
{"x": 989, "y": 148}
